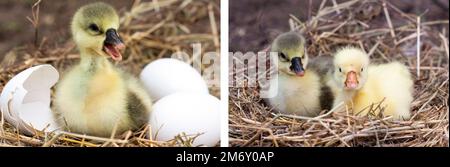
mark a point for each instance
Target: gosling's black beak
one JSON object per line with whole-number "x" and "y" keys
{"x": 297, "y": 66}
{"x": 112, "y": 38}
{"x": 113, "y": 44}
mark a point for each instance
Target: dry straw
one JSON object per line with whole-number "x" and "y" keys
{"x": 151, "y": 30}
{"x": 387, "y": 34}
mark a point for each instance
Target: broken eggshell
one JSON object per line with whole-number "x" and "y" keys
{"x": 25, "y": 100}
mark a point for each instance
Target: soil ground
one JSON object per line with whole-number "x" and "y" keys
{"x": 55, "y": 16}
{"x": 254, "y": 23}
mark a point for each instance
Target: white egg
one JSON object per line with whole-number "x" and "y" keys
{"x": 189, "y": 113}
{"x": 25, "y": 99}
{"x": 166, "y": 76}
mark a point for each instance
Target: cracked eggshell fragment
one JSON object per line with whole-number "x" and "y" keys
{"x": 25, "y": 99}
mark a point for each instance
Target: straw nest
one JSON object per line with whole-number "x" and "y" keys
{"x": 151, "y": 30}
{"x": 387, "y": 34}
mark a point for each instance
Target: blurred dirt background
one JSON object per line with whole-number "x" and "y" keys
{"x": 55, "y": 16}
{"x": 16, "y": 30}
{"x": 254, "y": 23}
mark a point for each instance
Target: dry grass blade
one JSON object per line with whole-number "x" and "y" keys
{"x": 418, "y": 48}
{"x": 35, "y": 21}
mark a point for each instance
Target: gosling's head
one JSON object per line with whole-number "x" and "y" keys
{"x": 350, "y": 71}
{"x": 94, "y": 29}
{"x": 292, "y": 57}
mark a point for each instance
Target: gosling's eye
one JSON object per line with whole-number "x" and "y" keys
{"x": 340, "y": 70}
{"x": 94, "y": 28}
{"x": 362, "y": 69}
{"x": 283, "y": 57}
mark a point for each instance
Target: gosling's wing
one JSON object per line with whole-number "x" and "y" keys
{"x": 138, "y": 101}
{"x": 323, "y": 65}
{"x": 136, "y": 110}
